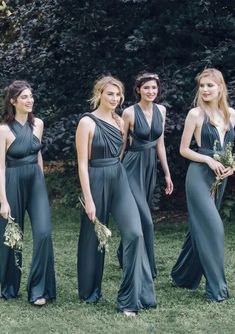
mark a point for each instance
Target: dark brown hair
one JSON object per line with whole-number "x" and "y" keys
{"x": 12, "y": 92}
{"x": 142, "y": 78}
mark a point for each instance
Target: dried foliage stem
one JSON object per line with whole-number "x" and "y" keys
{"x": 103, "y": 233}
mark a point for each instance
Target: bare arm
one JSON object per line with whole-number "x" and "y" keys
{"x": 126, "y": 116}
{"x": 38, "y": 131}
{"x": 161, "y": 152}
{"x": 190, "y": 128}
{"x": 5, "y": 208}
{"x": 83, "y": 135}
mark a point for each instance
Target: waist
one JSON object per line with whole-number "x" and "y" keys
{"x": 21, "y": 162}
{"x": 103, "y": 162}
{"x": 142, "y": 146}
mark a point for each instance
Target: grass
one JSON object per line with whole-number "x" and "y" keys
{"x": 179, "y": 311}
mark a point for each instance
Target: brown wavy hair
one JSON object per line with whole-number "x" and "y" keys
{"x": 218, "y": 78}
{"x": 12, "y": 92}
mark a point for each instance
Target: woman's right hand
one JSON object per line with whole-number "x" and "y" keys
{"x": 216, "y": 166}
{"x": 90, "y": 209}
{"x": 5, "y": 210}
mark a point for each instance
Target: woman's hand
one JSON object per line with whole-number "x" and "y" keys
{"x": 227, "y": 172}
{"x": 216, "y": 166}
{"x": 90, "y": 209}
{"x": 5, "y": 210}
{"x": 169, "y": 185}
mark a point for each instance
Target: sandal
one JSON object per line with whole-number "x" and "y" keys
{"x": 40, "y": 302}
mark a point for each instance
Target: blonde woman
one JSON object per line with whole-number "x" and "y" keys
{"x": 203, "y": 251}
{"x": 99, "y": 140}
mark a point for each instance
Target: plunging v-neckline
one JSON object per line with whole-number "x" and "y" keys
{"x": 145, "y": 118}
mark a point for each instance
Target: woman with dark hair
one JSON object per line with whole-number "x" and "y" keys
{"x": 22, "y": 188}
{"x": 144, "y": 128}
{"x": 99, "y": 140}
{"x": 211, "y": 122}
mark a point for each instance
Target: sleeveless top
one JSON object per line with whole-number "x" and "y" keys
{"x": 210, "y": 137}
{"x": 107, "y": 139}
{"x": 25, "y": 147}
{"x": 143, "y": 134}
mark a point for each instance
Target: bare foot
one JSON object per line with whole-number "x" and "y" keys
{"x": 130, "y": 313}
{"x": 40, "y": 302}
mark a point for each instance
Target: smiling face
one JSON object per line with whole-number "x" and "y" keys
{"x": 110, "y": 97}
{"x": 148, "y": 91}
{"x": 209, "y": 90}
{"x": 24, "y": 102}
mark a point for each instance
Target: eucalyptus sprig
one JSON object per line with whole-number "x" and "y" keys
{"x": 226, "y": 158}
{"x": 102, "y": 232}
{"x": 14, "y": 239}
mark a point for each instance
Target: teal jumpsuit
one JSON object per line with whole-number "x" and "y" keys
{"x": 112, "y": 195}
{"x": 26, "y": 191}
{"x": 140, "y": 162}
{"x": 203, "y": 249}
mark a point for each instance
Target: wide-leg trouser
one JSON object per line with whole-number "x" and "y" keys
{"x": 26, "y": 191}
{"x": 111, "y": 194}
{"x": 203, "y": 249}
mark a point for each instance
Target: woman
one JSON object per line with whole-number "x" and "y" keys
{"x": 211, "y": 122}
{"x": 22, "y": 188}
{"x": 144, "y": 124}
{"x": 106, "y": 191}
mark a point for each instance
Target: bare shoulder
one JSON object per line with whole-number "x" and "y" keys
{"x": 128, "y": 111}
{"x": 86, "y": 122}
{"x": 38, "y": 122}
{"x": 4, "y": 129}
{"x": 162, "y": 109}
{"x": 196, "y": 114}
{"x": 232, "y": 115}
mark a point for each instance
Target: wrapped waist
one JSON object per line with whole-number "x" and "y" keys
{"x": 21, "y": 162}
{"x": 104, "y": 162}
{"x": 143, "y": 146}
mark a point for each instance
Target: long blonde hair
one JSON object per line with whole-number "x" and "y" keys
{"x": 218, "y": 78}
{"x": 98, "y": 89}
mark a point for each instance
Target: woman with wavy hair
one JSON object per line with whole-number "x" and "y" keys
{"x": 211, "y": 122}
{"x": 99, "y": 141}
{"x": 22, "y": 188}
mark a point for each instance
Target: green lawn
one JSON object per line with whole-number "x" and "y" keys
{"x": 178, "y": 311}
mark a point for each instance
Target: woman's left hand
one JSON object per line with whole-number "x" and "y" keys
{"x": 169, "y": 185}
{"x": 227, "y": 172}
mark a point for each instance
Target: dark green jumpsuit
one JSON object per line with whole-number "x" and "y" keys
{"x": 203, "y": 249}
{"x": 112, "y": 195}
{"x": 25, "y": 190}
{"x": 140, "y": 163}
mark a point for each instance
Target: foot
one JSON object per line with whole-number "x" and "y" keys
{"x": 40, "y": 302}
{"x": 130, "y": 313}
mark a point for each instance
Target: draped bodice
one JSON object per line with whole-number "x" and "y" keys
{"x": 142, "y": 132}
{"x": 25, "y": 147}
{"x": 210, "y": 135}
{"x": 107, "y": 139}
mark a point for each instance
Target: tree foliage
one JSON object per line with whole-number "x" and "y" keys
{"x": 61, "y": 47}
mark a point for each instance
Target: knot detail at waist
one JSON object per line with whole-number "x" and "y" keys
{"x": 143, "y": 146}
{"x": 103, "y": 162}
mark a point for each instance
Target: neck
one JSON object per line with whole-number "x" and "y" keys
{"x": 146, "y": 105}
{"x": 104, "y": 113}
{"x": 21, "y": 118}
